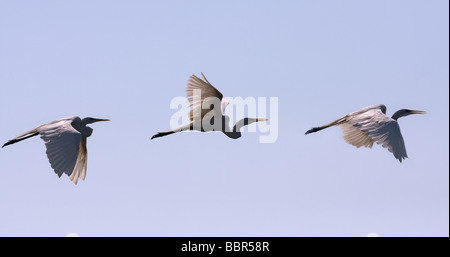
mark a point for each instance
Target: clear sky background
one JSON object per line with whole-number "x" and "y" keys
{"x": 126, "y": 60}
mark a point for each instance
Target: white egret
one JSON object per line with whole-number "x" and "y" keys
{"x": 203, "y": 114}
{"x": 369, "y": 125}
{"x": 65, "y": 140}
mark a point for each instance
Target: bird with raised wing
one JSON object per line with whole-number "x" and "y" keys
{"x": 369, "y": 125}
{"x": 205, "y": 115}
{"x": 65, "y": 140}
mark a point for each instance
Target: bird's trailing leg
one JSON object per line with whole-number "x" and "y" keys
{"x": 162, "y": 134}
{"x": 21, "y": 138}
{"x": 315, "y": 129}
{"x": 170, "y": 132}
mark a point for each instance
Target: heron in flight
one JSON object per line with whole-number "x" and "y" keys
{"x": 65, "y": 140}
{"x": 202, "y": 95}
{"x": 369, "y": 125}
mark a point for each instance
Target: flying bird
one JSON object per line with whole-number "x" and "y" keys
{"x": 65, "y": 140}
{"x": 369, "y": 125}
{"x": 202, "y": 95}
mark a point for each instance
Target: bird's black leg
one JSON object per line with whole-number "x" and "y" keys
{"x": 10, "y": 142}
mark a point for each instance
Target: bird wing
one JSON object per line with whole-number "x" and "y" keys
{"x": 372, "y": 125}
{"x": 63, "y": 144}
{"x": 207, "y": 94}
{"x": 355, "y": 136}
{"x": 81, "y": 165}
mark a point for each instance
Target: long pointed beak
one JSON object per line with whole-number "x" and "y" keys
{"x": 257, "y": 120}
{"x": 417, "y": 112}
{"x": 101, "y": 120}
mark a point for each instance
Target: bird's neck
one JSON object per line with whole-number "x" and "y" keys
{"x": 398, "y": 114}
{"x": 87, "y": 131}
{"x": 244, "y": 122}
{"x": 233, "y": 135}
{"x": 83, "y": 129}
{"x": 236, "y": 133}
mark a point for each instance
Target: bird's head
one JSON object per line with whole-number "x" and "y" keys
{"x": 405, "y": 112}
{"x": 90, "y": 120}
{"x": 248, "y": 121}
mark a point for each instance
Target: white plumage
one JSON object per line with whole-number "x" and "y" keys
{"x": 208, "y": 107}
{"x": 65, "y": 140}
{"x": 371, "y": 125}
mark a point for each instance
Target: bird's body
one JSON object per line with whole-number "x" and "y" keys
{"x": 369, "y": 125}
{"x": 202, "y": 95}
{"x": 65, "y": 140}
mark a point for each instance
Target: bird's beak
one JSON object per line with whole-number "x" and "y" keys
{"x": 101, "y": 120}
{"x": 417, "y": 112}
{"x": 258, "y": 120}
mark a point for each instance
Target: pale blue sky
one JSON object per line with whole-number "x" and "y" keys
{"x": 126, "y": 60}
